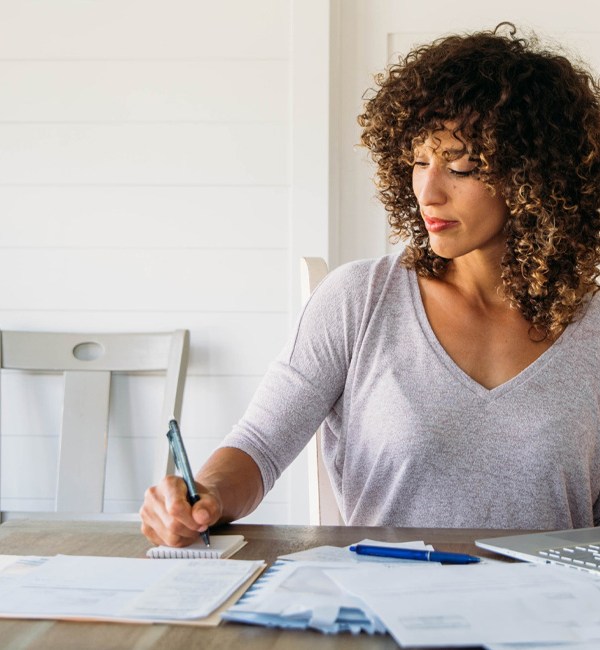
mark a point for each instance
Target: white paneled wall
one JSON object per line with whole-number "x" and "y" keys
{"x": 144, "y": 185}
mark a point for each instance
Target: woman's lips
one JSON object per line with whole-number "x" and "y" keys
{"x": 437, "y": 225}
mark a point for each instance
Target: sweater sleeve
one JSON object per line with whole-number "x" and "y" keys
{"x": 306, "y": 379}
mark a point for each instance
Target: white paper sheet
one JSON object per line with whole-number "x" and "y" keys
{"x": 11, "y": 565}
{"x": 123, "y": 588}
{"x": 195, "y": 589}
{"x": 477, "y": 604}
{"x": 343, "y": 554}
{"x": 8, "y": 560}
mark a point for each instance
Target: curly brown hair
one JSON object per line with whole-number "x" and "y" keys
{"x": 532, "y": 118}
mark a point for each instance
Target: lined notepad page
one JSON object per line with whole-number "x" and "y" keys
{"x": 221, "y": 547}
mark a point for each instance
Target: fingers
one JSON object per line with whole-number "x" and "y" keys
{"x": 162, "y": 521}
{"x": 207, "y": 511}
{"x": 167, "y": 516}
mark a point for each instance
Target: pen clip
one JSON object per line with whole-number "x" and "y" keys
{"x": 173, "y": 444}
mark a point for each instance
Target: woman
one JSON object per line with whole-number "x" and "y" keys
{"x": 459, "y": 381}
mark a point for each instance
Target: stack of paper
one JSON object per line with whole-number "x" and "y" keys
{"x": 491, "y": 603}
{"x": 300, "y": 595}
{"x": 498, "y": 605}
{"x": 300, "y": 592}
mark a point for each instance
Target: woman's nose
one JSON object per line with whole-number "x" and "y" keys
{"x": 428, "y": 185}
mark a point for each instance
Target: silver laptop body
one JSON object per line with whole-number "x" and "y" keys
{"x": 578, "y": 549}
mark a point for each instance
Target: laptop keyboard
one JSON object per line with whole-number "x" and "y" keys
{"x": 584, "y": 556}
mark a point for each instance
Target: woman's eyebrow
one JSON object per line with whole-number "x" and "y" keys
{"x": 455, "y": 152}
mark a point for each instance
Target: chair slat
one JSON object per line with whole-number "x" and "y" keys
{"x": 83, "y": 442}
{"x": 54, "y": 351}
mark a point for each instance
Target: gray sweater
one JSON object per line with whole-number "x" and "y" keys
{"x": 409, "y": 439}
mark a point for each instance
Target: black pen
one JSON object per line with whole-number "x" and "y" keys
{"x": 183, "y": 465}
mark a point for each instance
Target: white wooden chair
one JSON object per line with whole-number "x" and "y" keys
{"x": 87, "y": 362}
{"x": 323, "y": 505}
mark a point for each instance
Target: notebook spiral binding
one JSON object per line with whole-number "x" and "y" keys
{"x": 184, "y": 554}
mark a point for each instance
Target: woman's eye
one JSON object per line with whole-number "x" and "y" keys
{"x": 420, "y": 163}
{"x": 463, "y": 174}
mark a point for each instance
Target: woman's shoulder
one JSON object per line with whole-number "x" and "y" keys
{"x": 584, "y": 330}
{"x": 364, "y": 275}
{"x": 337, "y": 310}
{"x": 590, "y": 310}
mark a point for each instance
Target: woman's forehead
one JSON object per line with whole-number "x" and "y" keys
{"x": 444, "y": 136}
{"x": 444, "y": 142}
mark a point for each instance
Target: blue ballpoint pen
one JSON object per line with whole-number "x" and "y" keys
{"x": 183, "y": 465}
{"x": 414, "y": 554}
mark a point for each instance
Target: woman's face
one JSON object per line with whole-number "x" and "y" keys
{"x": 460, "y": 213}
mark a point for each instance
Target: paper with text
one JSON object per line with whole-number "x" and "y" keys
{"x": 478, "y": 604}
{"x": 122, "y": 588}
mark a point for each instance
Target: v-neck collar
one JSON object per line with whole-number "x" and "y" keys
{"x": 458, "y": 372}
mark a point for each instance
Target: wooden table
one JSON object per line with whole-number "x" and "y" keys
{"x": 264, "y": 543}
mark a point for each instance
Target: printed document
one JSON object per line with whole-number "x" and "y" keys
{"x": 120, "y": 588}
{"x": 490, "y": 603}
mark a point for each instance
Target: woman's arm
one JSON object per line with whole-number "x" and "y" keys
{"x": 298, "y": 391}
{"x": 230, "y": 487}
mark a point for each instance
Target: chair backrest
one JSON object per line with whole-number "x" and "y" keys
{"x": 87, "y": 362}
{"x": 323, "y": 507}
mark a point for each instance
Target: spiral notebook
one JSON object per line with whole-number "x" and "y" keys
{"x": 221, "y": 547}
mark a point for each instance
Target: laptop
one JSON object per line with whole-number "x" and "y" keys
{"x": 578, "y": 548}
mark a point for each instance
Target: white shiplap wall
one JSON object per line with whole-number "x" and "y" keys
{"x": 144, "y": 185}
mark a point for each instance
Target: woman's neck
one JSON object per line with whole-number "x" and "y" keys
{"x": 477, "y": 278}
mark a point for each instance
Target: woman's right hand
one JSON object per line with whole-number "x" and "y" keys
{"x": 168, "y": 518}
